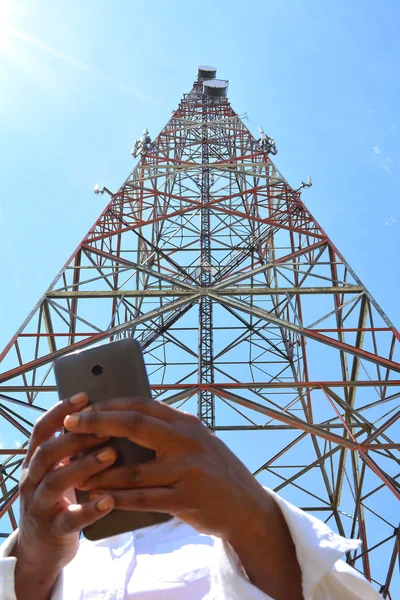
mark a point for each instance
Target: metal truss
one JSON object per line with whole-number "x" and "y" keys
{"x": 248, "y": 316}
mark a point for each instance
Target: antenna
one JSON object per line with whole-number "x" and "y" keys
{"x": 98, "y": 191}
{"x": 267, "y": 143}
{"x": 141, "y": 145}
{"x": 305, "y": 185}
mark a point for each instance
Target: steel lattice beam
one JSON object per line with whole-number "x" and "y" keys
{"x": 248, "y": 315}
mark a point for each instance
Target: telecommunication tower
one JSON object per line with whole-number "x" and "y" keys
{"x": 248, "y": 316}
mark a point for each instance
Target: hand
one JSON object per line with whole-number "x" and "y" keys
{"x": 194, "y": 476}
{"x": 50, "y": 519}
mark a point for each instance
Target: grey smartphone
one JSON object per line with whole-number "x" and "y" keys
{"x": 113, "y": 370}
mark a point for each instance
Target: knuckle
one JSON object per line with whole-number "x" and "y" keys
{"x": 135, "y": 474}
{"x": 90, "y": 418}
{"x": 51, "y": 483}
{"x": 141, "y": 500}
{"x": 135, "y": 420}
{"x": 141, "y": 401}
{"x": 33, "y": 512}
{"x": 26, "y": 461}
{"x": 39, "y": 455}
{"x": 24, "y": 482}
{"x": 102, "y": 405}
{"x": 39, "y": 423}
{"x": 67, "y": 522}
{"x": 48, "y": 422}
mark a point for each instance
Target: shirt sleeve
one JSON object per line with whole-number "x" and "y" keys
{"x": 318, "y": 551}
{"x": 7, "y": 569}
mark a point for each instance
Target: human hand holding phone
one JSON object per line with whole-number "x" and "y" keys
{"x": 50, "y": 520}
{"x": 195, "y": 477}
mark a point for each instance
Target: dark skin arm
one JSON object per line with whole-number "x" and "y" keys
{"x": 196, "y": 478}
{"x": 50, "y": 519}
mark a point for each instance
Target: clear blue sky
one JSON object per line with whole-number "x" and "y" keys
{"x": 81, "y": 79}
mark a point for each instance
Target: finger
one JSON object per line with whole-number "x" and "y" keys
{"x": 56, "y": 483}
{"x": 163, "y": 500}
{"x": 78, "y": 516}
{"x": 153, "y": 473}
{"x": 50, "y": 453}
{"x": 135, "y": 426}
{"x": 147, "y": 406}
{"x": 51, "y": 421}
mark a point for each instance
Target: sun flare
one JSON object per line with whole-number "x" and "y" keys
{"x": 6, "y": 8}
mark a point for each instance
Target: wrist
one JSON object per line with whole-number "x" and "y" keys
{"x": 258, "y": 523}
{"x": 33, "y": 579}
{"x": 267, "y": 553}
{"x": 36, "y": 585}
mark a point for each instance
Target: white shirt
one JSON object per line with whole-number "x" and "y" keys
{"x": 172, "y": 561}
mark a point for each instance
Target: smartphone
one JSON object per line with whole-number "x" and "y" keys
{"x": 112, "y": 370}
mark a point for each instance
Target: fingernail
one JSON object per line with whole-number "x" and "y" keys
{"x": 78, "y": 399}
{"x": 88, "y": 408}
{"x": 105, "y": 455}
{"x": 71, "y": 421}
{"x": 105, "y": 503}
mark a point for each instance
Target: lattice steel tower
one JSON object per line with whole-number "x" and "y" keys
{"x": 248, "y": 316}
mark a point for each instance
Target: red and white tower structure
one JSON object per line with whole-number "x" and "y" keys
{"x": 248, "y": 316}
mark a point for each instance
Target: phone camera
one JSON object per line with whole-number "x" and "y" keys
{"x": 97, "y": 370}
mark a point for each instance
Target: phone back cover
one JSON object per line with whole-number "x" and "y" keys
{"x": 123, "y": 374}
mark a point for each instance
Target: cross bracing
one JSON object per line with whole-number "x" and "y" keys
{"x": 248, "y": 316}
